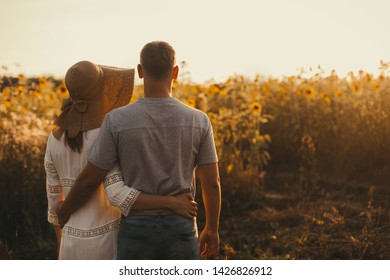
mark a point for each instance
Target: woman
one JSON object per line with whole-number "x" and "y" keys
{"x": 91, "y": 232}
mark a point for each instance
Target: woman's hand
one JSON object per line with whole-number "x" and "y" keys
{"x": 184, "y": 205}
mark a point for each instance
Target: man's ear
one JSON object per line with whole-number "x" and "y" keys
{"x": 175, "y": 72}
{"x": 140, "y": 71}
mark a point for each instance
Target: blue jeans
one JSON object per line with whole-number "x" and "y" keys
{"x": 158, "y": 238}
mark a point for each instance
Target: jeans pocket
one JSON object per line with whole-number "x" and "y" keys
{"x": 186, "y": 245}
{"x": 186, "y": 236}
{"x": 133, "y": 246}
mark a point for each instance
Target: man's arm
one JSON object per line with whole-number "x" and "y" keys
{"x": 84, "y": 186}
{"x": 211, "y": 193}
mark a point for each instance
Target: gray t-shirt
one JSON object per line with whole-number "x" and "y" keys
{"x": 157, "y": 142}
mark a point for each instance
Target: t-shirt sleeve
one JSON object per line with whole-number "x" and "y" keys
{"x": 104, "y": 153}
{"x": 207, "y": 151}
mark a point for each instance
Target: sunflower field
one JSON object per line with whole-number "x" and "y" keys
{"x": 304, "y": 163}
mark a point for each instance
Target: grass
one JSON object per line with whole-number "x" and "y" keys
{"x": 303, "y": 161}
{"x": 338, "y": 221}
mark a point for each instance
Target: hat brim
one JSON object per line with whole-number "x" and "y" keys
{"x": 115, "y": 91}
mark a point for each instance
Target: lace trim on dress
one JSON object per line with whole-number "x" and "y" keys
{"x": 53, "y": 189}
{"x": 126, "y": 205}
{"x": 81, "y": 233}
{"x": 50, "y": 167}
{"x": 53, "y": 219}
{"x": 67, "y": 182}
{"x": 112, "y": 179}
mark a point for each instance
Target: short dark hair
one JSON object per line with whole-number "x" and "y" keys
{"x": 158, "y": 59}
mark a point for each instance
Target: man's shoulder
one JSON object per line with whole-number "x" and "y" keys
{"x": 121, "y": 111}
{"x": 194, "y": 116}
{"x": 191, "y": 110}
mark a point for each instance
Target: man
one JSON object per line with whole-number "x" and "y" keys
{"x": 158, "y": 142}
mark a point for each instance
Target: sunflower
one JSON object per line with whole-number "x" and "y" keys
{"x": 191, "y": 103}
{"x": 212, "y": 118}
{"x": 229, "y": 168}
{"x": 21, "y": 89}
{"x": 213, "y": 89}
{"x": 256, "y": 107}
{"x": 282, "y": 90}
{"x": 61, "y": 90}
{"x": 327, "y": 100}
{"x": 356, "y": 87}
{"x": 37, "y": 93}
{"x": 42, "y": 82}
{"x": 375, "y": 86}
{"x": 309, "y": 91}
{"x": 6, "y": 91}
{"x": 8, "y": 104}
{"x": 265, "y": 90}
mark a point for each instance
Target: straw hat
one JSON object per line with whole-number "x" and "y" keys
{"x": 94, "y": 91}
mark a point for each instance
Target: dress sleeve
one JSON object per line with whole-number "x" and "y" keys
{"x": 118, "y": 193}
{"x": 54, "y": 191}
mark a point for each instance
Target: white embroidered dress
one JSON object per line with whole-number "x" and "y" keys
{"x": 91, "y": 232}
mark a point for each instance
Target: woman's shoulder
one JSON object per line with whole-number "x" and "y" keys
{"x": 52, "y": 139}
{"x": 54, "y": 145}
{"x": 88, "y": 135}
{"x": 92, "y": 133}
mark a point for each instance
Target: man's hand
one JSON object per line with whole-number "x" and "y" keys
{"x": 63, "y": 217}
{"x": 184, "y": 205}
{"x": 211, "y": 193}
{"x": 208, "y": 243}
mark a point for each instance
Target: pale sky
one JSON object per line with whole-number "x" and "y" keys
{"x": 216, "y": 38}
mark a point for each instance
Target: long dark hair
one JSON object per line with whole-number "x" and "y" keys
{"x": 76, "y": 143}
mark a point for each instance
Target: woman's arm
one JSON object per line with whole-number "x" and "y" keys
{"x": 55, "y": 195}
{"x": 183, "y": 204}
{"x": 127, "y": 198}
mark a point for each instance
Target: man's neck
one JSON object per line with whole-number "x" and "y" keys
{"x": 157, "y": 90}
